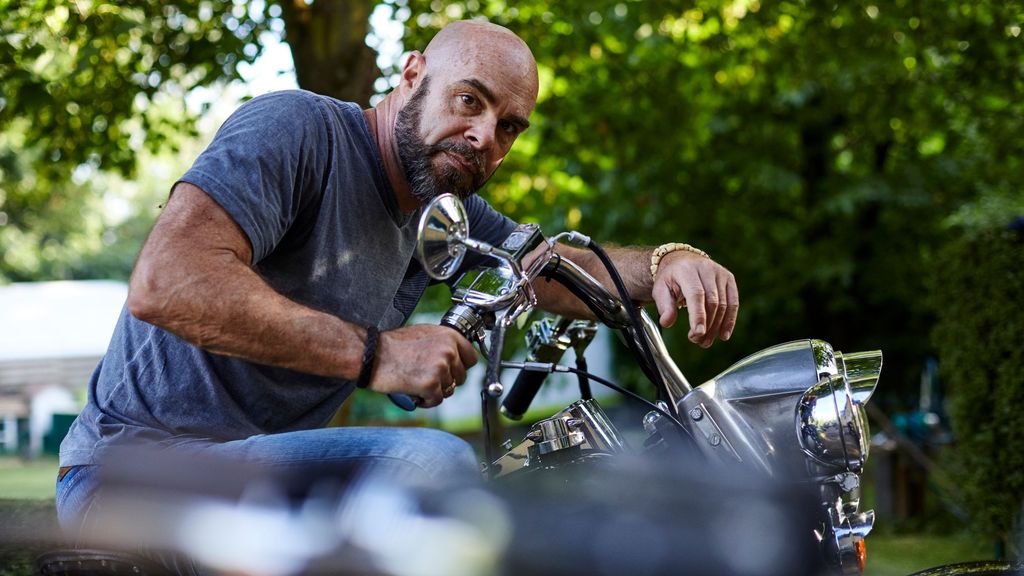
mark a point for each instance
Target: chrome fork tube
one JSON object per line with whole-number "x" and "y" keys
{"x": 676, "y": 385}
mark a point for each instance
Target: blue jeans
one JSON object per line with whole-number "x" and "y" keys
{"x": 403, "y": 454}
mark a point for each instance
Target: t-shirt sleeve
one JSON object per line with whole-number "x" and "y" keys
{"x": 266, "y": 165}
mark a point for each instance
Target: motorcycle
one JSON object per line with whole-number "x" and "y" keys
{"x": 750, "y": 443}
{"x": 793, "y": 412}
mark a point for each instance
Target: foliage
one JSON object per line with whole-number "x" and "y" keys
{"x": 813, "y": 148}
{"x": 84, "y": 86}
{"x": 979, "y": 333}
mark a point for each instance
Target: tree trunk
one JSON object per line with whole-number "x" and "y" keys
{"x": 328, "y": 43}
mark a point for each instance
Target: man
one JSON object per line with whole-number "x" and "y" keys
{"x": 281, "y": 272}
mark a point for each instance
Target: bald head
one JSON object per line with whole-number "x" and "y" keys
{"x": 459, "y": 107}
{"x": 470, "y": 46}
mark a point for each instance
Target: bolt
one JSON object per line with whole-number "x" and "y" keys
{"x": 506, "y": 445}
{"x": 573, "y": 423}
{"x": 535, "y": 435}
{"x": 651, "y": 417}
{"x": 494, "y": 389}
{"x": 715, "y": 439}
{"x": 696, "y": 413}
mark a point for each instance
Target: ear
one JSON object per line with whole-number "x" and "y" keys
{"x": 413, "y": 70}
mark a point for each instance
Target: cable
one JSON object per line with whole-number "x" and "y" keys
{"x": 627, "y": 302}
{"x": 581, "y": 365}
{"x": 549, "y": 367}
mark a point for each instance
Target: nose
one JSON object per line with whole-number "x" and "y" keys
{"x": 481, "y": 132}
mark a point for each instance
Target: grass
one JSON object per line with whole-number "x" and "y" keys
{"x": 902, "y": 554}
{"x": 27, "y": 480}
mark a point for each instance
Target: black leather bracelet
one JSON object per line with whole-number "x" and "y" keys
{"x": 369, "y": 354}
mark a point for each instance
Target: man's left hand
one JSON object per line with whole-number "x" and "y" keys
{"x": 706, "y": 289}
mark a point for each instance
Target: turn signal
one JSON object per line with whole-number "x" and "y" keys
{"x": 861, "y": 548}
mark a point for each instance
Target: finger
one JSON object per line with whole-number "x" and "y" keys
{"x": 723, "y": 305}
{"x": 433, "y": 395}
{"x": 732, "y": 299}
{"x": 718, "y": 303}
{"x": 427, "y": 401}
{"x": 467, "y": 354}
{"x": 694, "y": 294}
{"x": 665, "y": 300}
{"x": 432, "y": 387}
{"x": 458, "y": 375}
{"x": 709, "y": 281}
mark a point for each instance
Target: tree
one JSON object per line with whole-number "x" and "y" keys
{"x": 86, "y": 85}
{"x": 813, "y": 148}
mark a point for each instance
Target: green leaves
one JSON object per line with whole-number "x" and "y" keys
{"x": 814, "y": 149}
{"x": 87, "y": 85}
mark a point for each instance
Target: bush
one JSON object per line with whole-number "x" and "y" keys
{"x": 979, "y": 296}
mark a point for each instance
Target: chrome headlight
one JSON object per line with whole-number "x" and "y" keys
{"x": 832, "y": 424}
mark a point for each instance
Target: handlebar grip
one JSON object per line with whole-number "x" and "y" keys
{"x": 456, "y": 323}
{"x": 521, "y": 395}
{"x": 403, "y": 401}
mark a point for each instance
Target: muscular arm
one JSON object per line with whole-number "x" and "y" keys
{"x": 707, "y": 289}
{"x": 194, "y": 279}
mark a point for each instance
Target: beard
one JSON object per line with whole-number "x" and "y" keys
{"x": 417, "y": 157}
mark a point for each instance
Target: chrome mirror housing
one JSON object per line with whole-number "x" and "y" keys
{"x": 440, "y": 242}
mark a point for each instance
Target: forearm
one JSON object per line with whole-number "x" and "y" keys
{"x": 205, "y": 292}
{"x": 632, "y": 263}
{"x": 685, "y": 277}
{"x": 231, "y": 311}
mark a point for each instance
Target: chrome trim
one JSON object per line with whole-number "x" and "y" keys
{"x": 582, "y": 424}
{"x": 552, "y": 435}
{"x": 676, "y": 385}
{"x": 753, "y": 403}
{"x": 852, "y": 530}
{"x": 599, "y": 431}
{"x": 824, "y": 358}
{"x": 862, "y": 370}
{"x": 439, "y": 242}
{"x": 704, "y": 421}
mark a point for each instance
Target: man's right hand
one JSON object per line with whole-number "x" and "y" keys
{"x": 424, "y": 361}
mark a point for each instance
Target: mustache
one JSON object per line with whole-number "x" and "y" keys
{"x": 464, "y": 151}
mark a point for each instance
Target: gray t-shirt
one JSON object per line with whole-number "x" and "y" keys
{"x": 302, "y": 176}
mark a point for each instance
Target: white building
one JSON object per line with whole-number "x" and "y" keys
{"x": 52, "y": 334}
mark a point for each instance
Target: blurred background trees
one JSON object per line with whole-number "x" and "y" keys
{"x": 827, "y": 153}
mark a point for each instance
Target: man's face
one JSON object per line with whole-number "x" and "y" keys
{"x": 455, "y": 130}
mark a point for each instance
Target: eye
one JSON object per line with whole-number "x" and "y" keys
{"x": 468, "y": 99}
{"x": 508, "y": 127}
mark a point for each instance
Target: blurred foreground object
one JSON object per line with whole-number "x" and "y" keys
{"x": 618, "y": 517}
